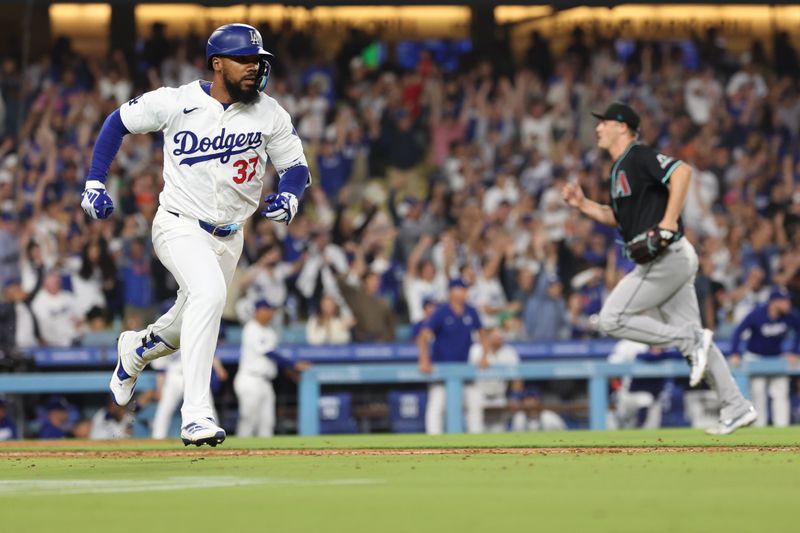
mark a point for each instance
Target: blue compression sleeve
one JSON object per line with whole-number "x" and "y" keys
{"x": 106, "y": 147}
{"x": 295, "y": 180}
{"x": 282, "y": 362}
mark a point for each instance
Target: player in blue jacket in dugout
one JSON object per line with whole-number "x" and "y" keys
{"x": 768, "y": 325}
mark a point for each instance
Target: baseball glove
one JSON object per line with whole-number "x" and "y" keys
{"x": 649, "y": 244}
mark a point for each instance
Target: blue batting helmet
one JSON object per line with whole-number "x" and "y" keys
{"x": 239, "y": 40}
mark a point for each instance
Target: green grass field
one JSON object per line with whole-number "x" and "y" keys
{"x": 648, "y": 481}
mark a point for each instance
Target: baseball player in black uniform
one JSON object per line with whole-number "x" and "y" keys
{"x": 656, "y": 303}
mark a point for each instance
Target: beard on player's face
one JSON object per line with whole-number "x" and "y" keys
{"x": 239, "y": 90}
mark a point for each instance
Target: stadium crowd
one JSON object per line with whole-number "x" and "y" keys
{"x": 420, "y": 175}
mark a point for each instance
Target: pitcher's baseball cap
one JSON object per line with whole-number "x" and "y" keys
{"x": 620, "y": 113}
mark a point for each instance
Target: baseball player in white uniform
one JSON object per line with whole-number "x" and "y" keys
{"x": 218, "y": 136}
{"x": 112, "y": 422}
{"x": 258, "y": 366}
{"x": 486, "y": 393}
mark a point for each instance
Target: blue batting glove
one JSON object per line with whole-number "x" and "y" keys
{"x": 96, "y": 202}
{"x": 281, "y": 207}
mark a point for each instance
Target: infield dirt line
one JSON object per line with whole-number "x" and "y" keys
{"x": 221, "y": 452}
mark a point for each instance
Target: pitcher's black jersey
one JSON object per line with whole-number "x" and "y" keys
{"x": 640, "y": 189}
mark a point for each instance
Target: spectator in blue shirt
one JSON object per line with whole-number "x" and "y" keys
{"x": 545, "y": 312}
{"x": 136, "y": 279}
{"x": 57, "y": 423}
{"x": 333, "y": 167}
{"x": 768, "y": 325}
{"x": 8, "y": 427}
{"x": 451, "y": 327}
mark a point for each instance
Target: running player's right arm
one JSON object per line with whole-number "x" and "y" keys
{"x": 573, "y": 195}
{"x": 142, "y": 114}
{"x": 95, "y": 201}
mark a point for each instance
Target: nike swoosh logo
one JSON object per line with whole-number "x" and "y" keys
{"x": 187, "y": 111}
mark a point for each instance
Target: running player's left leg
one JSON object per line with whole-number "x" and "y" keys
{"x": 201, "y": 322}
{"x": 683, "y": 308}
{"x": 735, "y": 410}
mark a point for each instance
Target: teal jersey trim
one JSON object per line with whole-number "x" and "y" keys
{"x": 675, "y": 165}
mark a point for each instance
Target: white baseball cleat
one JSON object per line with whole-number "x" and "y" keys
{"x": 202, "y": 431}
{"x": 729, "y": 425}
{"x": 699, "y": 357}
{"x": 129, "y": 366}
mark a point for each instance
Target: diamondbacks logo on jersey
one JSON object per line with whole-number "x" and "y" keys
{"x": 222, "y": 147}
{"x": 664, "y": 160}
{"x": 622, "y": 188}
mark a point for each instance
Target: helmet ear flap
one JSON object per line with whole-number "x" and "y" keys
{"x": 263, "y": 74}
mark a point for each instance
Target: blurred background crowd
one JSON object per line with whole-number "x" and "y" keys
{"x": 421, "y": 174}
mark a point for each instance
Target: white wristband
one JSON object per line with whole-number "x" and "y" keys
{"x": 95, "y": 184}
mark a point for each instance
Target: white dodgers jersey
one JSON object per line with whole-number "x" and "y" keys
{"x": 257, "y": 341}
{"x": 214, "y": 158}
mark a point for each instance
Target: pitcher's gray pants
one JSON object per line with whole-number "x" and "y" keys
{"x": 656, "y": 304}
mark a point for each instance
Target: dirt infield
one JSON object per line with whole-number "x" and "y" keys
{"x": 34, "y": 449}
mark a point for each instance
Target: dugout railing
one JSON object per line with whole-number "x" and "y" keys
{"x": 596, "y": 373}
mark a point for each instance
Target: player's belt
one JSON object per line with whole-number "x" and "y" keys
{"x": 216, "y": 231}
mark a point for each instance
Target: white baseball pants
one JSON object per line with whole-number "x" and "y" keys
{"x": 203, "y": 265}
{"x": 435, "y": 408}
{"x": 171, "y": 395}
{"x": 765, "y": 388}
{"x": 256, "y": 405}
